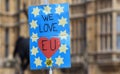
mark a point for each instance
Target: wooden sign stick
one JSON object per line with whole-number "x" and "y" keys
{"x": 47, "y": 2}
{"x": 50, "y": 71}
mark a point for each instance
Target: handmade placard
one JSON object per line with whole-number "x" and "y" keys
{"x": 49, "y": 36}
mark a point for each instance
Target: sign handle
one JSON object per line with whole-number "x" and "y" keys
{"x": 46, "y": 2}
{"x": 50, "y": 71}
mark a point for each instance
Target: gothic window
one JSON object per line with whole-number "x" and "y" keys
{"x": 105, "y": 32}
{"x": 78, "y": 36}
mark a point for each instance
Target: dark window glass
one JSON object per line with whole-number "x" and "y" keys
{"x": 7, "y": 42}
{"x": 118, "y": 31}
{"x": 7, "y": 5}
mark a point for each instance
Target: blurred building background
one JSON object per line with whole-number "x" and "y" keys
{"x": 95, "y": 35}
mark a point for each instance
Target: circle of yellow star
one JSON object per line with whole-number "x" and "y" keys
{"x": 34, "y": 24}
{"x": 62, "y": 21}
{"x": 35, "y": 11}
{"x": 49, "y": 62}
{"x": 59, "y": 9}
{"x": 59, "y": 60}
{"x": 47, "y": 9}
{"x": 63, "y": 34}
{"x": 38, "y": 62}
{"x": 34, "y": 37}
{"x": 63, "y": 48}
{"x": 34, "y": 50}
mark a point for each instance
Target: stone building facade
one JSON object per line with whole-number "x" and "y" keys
{"x": 95, "y": 37}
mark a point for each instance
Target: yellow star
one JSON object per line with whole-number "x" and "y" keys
{"x": 47, "y": 9}
{"x": 59, "y": 9}
{"x": 62, "y": 21}
{"x": 35, "y": 11}
{"x": 59, "y": 60}
{"x": 34, "y": 24}
{"x": 34, "y": 37}
{"x": 63, "y": 48}
{"x": 34, "y": 50}
{"x": 63, "y": 34}
{"x": 38, "y": 62}
{"x": 48, "y": 62}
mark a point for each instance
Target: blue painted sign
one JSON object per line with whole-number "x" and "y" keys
{"x": 49, "y": 27}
